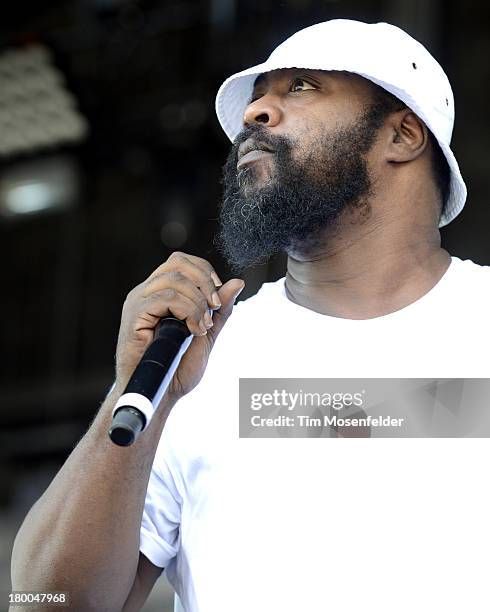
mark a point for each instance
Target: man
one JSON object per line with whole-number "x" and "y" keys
{"x": 341, "y": 158}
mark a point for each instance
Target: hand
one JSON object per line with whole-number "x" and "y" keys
{"x": 188, "y": 288}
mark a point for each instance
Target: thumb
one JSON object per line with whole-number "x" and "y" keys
{"x": 228, "y": 294}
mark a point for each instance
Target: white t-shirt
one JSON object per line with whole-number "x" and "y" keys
{"x": 337, "y": 525}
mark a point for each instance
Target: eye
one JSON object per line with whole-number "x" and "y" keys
{"x": 296, "y": 82}
{"x": 299, "y": 82}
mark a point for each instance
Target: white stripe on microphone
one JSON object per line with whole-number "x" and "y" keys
{"x": 136, "y": 400}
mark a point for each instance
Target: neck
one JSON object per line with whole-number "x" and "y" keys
{"x": 369, "y": 270}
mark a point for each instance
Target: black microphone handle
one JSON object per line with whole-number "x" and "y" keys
{"x": 151, "y": 378}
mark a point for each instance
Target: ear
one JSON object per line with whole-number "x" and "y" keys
{"x": 409, "y": 137}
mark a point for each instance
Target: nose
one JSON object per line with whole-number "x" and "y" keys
{"x": 263, "y": 110}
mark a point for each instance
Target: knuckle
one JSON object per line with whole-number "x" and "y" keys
{"x": 154, "y": 277}
{"x": 177, "y": 255}
{"x": 203, "y": 261}
{"x": 207, "y": 267}
{"x": 169, "y": 293}
{"x": 176, "y": 276}
{"x": 132, "y": 295}
{"x": 134, "y": 290}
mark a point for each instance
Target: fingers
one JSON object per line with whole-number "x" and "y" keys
{"x": 176, "y": 280}
{"x": 183, "y": 286}
{"x": 228, "y": 294}
{"x": 195, "y": 269}
{"x": 170, "y": 301}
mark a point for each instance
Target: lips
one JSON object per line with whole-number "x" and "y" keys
{"x": 250, "y": 150}
{"x": 252, "y": 156}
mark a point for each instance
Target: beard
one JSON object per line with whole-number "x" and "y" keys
{"x": 301, "y": 202}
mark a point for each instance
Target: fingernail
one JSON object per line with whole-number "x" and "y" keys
{"x": 208, "y": 321}
{"x": 215, "y": 299}
{"x": 240, "y": 290}
{"x": 203, "y": 328}
{"x": 216, "y": 279}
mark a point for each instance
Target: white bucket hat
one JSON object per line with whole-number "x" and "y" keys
{"x": 380, "y": 52}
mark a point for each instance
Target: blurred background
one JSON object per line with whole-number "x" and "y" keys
{"x": 110, "y": 159}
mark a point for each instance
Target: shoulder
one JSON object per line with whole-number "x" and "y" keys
{"x": 470, "y": 266}
{"x": 471, "y": 274}
{"x": 468, "y": 295}
{"x": 262, "y": 304}
{"x": 268, "y": 293}
{"x": 251, "y": 318}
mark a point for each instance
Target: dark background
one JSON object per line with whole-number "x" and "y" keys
{"x": 144, "y": 75}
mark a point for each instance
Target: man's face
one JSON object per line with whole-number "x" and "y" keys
{"x": 314, "y": 129}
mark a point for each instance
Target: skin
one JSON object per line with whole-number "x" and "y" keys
{"x": 373, "y": 265}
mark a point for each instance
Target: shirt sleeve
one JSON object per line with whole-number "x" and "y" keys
{"x": 160, "y": 524}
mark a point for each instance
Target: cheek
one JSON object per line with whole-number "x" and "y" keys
{"x": 308, "y": 129}
{"x": 307, "y": 148}
{"x": 300, "y": 140}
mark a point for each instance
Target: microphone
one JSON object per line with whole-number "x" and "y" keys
{"x": 151, "y": 378}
